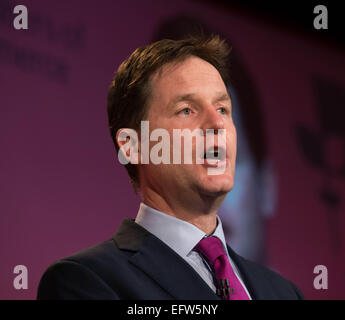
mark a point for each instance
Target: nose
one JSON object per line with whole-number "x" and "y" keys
{"x": 213, "y": 120}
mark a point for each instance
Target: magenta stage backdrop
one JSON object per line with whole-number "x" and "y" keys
{"x": 62, "y": 188}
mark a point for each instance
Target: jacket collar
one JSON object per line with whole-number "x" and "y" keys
{"x": 253, "y": 277}
{"x": 161, "y": 263}
{"x": 174, "y": 274}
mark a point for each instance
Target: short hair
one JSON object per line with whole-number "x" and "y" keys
{"x": 130, "y": 89}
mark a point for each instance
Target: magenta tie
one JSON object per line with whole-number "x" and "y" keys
{"x": 229, "y": 287}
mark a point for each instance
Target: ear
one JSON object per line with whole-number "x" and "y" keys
{"x": 127, "y": 140}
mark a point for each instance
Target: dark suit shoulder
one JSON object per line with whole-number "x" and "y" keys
{"x": 95, "y": 254}
{"x": 82, "y": 275}
{"x": 276, "y": 286}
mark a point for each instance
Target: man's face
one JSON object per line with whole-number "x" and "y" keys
{"x": 190, "y": 95}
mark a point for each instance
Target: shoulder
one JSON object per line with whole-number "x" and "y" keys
{"x": 73, "y": 276}
{"x": 266, "y": 283}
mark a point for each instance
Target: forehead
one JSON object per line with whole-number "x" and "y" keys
{"x": 189, "y": 74}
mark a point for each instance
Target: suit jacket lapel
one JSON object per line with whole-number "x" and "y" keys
{"x": 255, "y": 283}
{"x": 161, "y": 263}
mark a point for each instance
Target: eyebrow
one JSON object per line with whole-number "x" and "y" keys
{"x": 223, "y": 97}
{"x": 191, "y": 96}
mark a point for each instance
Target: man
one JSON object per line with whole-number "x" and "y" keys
{"x": 175, "y": 248}
{"x": 251, "y": 202}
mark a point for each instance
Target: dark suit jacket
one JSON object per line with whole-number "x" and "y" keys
{"x": 135, "y": 264}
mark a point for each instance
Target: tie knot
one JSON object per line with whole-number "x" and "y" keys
{"x": 211, "y": 248}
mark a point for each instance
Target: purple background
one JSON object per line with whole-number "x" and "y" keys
{"x": 62, "y": 188}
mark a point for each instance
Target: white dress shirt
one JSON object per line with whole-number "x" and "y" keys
{"x": 182, "y": 237}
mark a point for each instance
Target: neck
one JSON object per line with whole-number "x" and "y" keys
{"x": 201, "y": 211}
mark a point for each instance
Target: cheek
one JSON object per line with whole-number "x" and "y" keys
{"x": 233, "y": 136}
{"x": 232, "y": 139}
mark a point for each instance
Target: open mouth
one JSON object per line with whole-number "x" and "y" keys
{"x": 214, "y": 154}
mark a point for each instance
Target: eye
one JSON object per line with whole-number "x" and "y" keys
{"x": 186, "y": 111}
{"x": 222, "y": 110}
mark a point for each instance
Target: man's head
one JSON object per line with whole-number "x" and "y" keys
{"x": 175, "y": 85}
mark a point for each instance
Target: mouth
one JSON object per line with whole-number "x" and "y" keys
{"x": 214, "y": 156}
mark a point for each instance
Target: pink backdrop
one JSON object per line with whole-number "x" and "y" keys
{"x": 62, "y": 188}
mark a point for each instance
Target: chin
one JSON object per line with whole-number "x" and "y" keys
{"x": 218, "y": 184}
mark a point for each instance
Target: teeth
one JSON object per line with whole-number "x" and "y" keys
{"x": 210, "y": 155}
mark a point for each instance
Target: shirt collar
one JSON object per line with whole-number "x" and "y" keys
{"x": 178, "y": 234}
